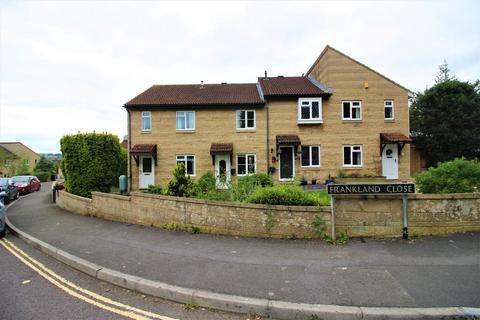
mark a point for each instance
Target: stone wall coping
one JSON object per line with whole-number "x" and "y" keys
{"x": 71, "y": 195}
{"x": 111, "y": 195}
{"x": 415, "y": 196}
{"x": 231, "y": 204}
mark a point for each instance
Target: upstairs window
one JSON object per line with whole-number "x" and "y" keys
{"x": 351, "y": 110}
{"x": 310, "y": 156}
{"x": 389, "y": 110}
{"x": 189, "y": 163}
{"x": 246, "y": 164}
{"x": 310, "y": 110}
{"x": 352, "y": 156}
{"x": 146, "y": 121}
{"x": 185, "y": 120}
{"x": 245, "y": 119}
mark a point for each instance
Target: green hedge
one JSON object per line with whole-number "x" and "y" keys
{"x": 290, "y": 195}
{"x": 91, "y": 162}
{"x": 454, "y": 176}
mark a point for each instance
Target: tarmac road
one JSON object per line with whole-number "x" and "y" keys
{"x": 426, "y": 272}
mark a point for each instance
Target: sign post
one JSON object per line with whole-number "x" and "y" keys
{"x": 365, "y": 189}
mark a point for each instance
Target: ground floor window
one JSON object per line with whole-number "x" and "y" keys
{"x": 310, "y": 156}
{"x": 189, "y": 162}
{"x": 246, "y": 164}
{"x": 352, "y": 156}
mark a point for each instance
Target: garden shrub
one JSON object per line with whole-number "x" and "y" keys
{"x": 456, "y": 176}
{"x": 247, "y": 185}
{"x": 181, "y": 185}
{"x": 286, "y": 194}
{"x": 123, "y": 167}
{"x": 206, "y": 183}
{"x": 90, "y": 162}
{"x": 153, "y": 189}
{"x": 206, "y": 188}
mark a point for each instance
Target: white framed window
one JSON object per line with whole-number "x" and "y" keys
{"x": 188, "y": 161}
{"x": 389, "y": 110}
{"x": 246, "y": 164}
{"x": 246, "y": 119}
{"x": 146, "y": 121}
{"x": 185, "y": 120}
{"x": 351, "y": 110}
{"x": 310, "y": 110}
{"x": 352, "y": 155}
{"x": 310, "y": 156}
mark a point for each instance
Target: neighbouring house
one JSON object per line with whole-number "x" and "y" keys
{"x": 340, "y": 115}
{"x": 12, "y": 154}
{"x": 124, "y": 143}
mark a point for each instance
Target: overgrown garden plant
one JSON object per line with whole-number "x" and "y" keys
{"x": 181, "y": 184}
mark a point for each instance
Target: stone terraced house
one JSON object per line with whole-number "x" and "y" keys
{"x": 341, "y": 115}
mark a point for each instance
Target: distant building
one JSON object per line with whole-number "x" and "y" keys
{"x": 52, "y": 156}
{"x": 124, "y": 143}
{"x": 12, "y": 154}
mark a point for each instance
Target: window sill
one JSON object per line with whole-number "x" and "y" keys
{"x": 311, "y": 168}
{"x": 246, "y": 130}
{"x": 352, "y": 121}
{"x": 185, "y": 131}
{"x": 352, "y": 167}
{"x": 389, "y": 120}
{"x": 309, "y": 121}
{"x": 146, "y": 131}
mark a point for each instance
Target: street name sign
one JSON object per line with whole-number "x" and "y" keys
{"x": 379, "y": 188}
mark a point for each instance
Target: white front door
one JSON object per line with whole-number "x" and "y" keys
{"x": 222, "y": 170}
{"x": 146, "y": 172}
{"x": 390, "y": 161}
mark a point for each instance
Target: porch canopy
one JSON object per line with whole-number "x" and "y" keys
{"x": 394, "y": 138}
{"x": 288, "y": 139}
{"x": 221, "y": 148}
{"x": 144, "y": 150}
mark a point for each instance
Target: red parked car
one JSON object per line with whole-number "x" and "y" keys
{"x": 27, "y": 184}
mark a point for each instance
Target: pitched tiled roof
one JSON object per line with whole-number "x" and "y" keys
{"x": 221, "y": 148}
{"x": 292, "y": 86}
{"x": 198, "y": 95}
{"x": 394, "y": 137}
{"x": 288, "y": 139}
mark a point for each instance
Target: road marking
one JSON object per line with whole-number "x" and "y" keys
{"x": 80, "y": 293}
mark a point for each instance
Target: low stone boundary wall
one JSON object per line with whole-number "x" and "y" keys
{"x": 216, "y": 217}
{"x": 428, "y": 214}
{"x": 376, "y": 216}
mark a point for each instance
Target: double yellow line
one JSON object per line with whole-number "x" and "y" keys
{"x": 78, "y": 292}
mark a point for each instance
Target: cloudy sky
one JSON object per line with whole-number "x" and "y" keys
{"x": 69, "y": 66}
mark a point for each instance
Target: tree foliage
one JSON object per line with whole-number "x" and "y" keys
{"x": 44, "y": 169}
{"x": 21, "y": 168}
{"x": 444, "y": 73}
{"x": 445, "y": 121}
{"x": 91, "y": 162}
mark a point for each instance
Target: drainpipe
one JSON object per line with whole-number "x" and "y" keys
{"x": 129, "y": 162}
{"x": 268, "y": 138}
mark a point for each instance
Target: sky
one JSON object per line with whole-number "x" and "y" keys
{"x": 70, "y": 66}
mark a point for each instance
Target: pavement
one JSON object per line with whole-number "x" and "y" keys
{"x": 430, "y": 272}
